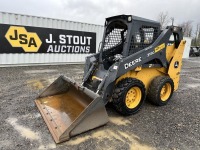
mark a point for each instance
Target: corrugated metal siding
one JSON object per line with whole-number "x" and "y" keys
{"x": 20, "y": 59}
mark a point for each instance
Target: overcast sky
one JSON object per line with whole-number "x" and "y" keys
{"x": 95, "y": 11}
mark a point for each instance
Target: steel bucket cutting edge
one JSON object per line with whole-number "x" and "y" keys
{"x": 69, "y": 109}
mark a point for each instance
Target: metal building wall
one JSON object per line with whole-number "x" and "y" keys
{"x": 31, "y": 58}
{"x": 187, "y": 47}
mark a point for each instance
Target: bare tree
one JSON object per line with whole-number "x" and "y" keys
{"x": 163, "y": 18}
{"x": 187, "y": 28}
{"x": 196, "y": 38}
{"x": 197, "y": 35}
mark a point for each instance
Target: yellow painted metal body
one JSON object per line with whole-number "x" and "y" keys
{"x": 165, "y": 92}
{"x": 146, "y": 75}
{"x": 174, "y": 73}
{"x": 133, "y": 97}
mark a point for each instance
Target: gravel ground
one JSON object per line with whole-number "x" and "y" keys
{"x": 174, "y": 126}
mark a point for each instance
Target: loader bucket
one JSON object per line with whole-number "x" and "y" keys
{"x": 69, "y": 109}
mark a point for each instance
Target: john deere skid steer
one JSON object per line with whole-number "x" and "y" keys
{"x": 136, "y": 61}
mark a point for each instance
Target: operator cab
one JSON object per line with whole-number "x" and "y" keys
{"x": 125, "y": 35}
{"x": 115, "y": 36}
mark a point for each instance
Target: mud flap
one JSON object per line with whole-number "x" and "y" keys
{"x": 69, "y": 109}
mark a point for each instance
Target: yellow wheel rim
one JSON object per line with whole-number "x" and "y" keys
{"x": 165, "y": 92}
{"x": 133, "y": 97}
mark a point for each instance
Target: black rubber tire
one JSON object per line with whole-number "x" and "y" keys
{"x": 153, "y": 94}
{"x": 119, "y": 95}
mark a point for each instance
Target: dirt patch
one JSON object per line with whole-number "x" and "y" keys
{"x": 119, "y": 121}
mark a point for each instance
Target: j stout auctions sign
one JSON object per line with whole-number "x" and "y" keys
{"x": 24, "y": 39}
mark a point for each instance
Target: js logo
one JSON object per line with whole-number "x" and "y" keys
{"x": 19, "y": 37}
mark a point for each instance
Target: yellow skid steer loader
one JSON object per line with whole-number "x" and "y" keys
{"x": 136, "y": 61}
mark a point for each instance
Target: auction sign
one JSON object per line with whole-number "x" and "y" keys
{"x": 25, "y": 39}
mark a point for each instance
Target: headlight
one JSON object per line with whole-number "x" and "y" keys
{"x": 129, "y": 18}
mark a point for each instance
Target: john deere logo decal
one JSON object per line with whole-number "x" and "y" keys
{"x": 19, "y": 37}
